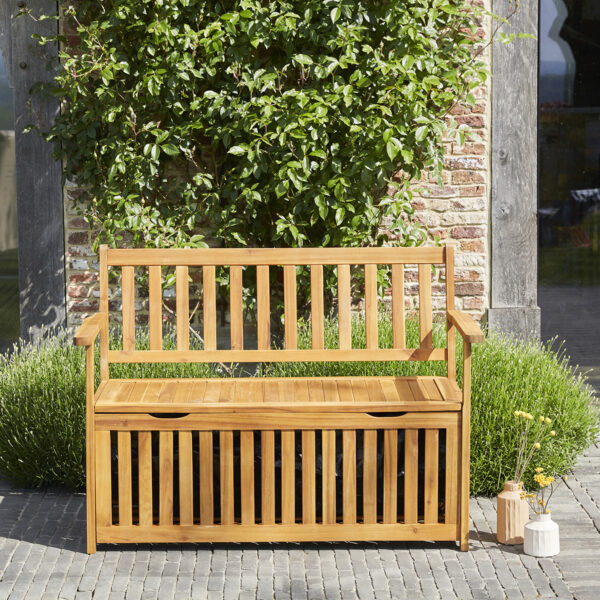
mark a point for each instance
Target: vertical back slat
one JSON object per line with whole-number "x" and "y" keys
{"x": 236, "y": 308}
{"x": 431, "y": 475}
{"x": 349, "y": 476}
{"x": 288, "y": 505}
{"x": 267, "y": 443}
{"x": 390, "y": 476}
{"x": 451, "y": 336}
{"x": 128, "y": 308}
{"x": 263, "y": 307}
{"x": 226, "y": 450}
{"x": 182, "y": 303}
{"x": 398, "y": 327}
{"x": 451, "y": 493}
{"x": 344, "y": 308}
{"x": 207, "y": 516}
{"x": 308, "y": 478}
{"x": 290, "y": 307}
{"x": 247, "y": 476}
{"x": 316, "y": 307}
{"x": 165, "y": 452}
{"x": 411, "y": 474}
{"x": 425, "y": 313}
{"x": 103, "y": 276}
{"x": 124, "y": 470}
{"x": 370, "y": 476}
{"x": 145, "y": 477}
{"x": 103, "y": 479}
{"x": 371, "y": 306}
{"x": 209, "y": 307}
{"x": 328, "y": 472}
{"x": 155, "y": 307}
{"x": 186, "y": 486}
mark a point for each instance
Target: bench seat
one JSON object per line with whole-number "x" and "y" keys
{"x": 355, "y": 394}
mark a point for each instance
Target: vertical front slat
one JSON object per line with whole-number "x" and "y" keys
{"x": 370, "y": 476}
{"x": 226, "y": 449}
{"x": 103, "y": 479}
{"x": 145, "y": 477}
{"x": 165, "y": 451}
{"x": 290, "y": 307}
{"x": 236, "y": 308}
{"x": 398, "y": 306}
{"x": 128, "y": 308}
{"x": 316, "y": 306}
{"x": 308, "y": 478}
{"x": 288, "y": 507}
{"x": 450, "y": 306}
{"x": 207, "y": 516}
{"x": 465, "y": 447}
{"x": 209, "y": 301}
{"x": 328, "y": 449}
{"x": 124, "y": 459}
{"x": 182, "y": 303}
{"x": 371, "y": 305}
{"x": 349, "y": 476}
{"x": 267, "y": 443}
{"x": 186, "y": 486}
{"x": 425, "y": 315}
{"x": 451, "y": 493}
{"x": 247, "y": 476}
{"x": 263, "y": 307}
{"x": 431, "y": 475}
{"x": 344, "y": 314}
{"x": 390, "y": 476}
{"x": 411, "y": 474}
{"x": 155, "y": 307}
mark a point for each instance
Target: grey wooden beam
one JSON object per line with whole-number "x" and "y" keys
{"x": 514, "y": 172}
{"x": 39, "y": 189}
{"x": 5, "y": 37}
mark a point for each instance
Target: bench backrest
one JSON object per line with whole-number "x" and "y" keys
{"x": 155, "y": 260}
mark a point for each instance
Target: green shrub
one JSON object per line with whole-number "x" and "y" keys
{"x": 281, "y": 123}
{"x": 42, "y": 407}
{"x": 42, "y": 397}
{"x": 507, "y": 375}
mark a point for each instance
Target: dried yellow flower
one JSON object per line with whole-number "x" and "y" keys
{"x": 539, "y": 469}
{"x": 537, "y": 445}
{"x": 552, "y": 433}
{"x": 547, "y": 421}
{"x": 541, "y": 419}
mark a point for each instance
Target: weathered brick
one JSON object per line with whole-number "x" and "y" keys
{"x": 78, "y": 237}
{"x": 467, "y": 232}
{"x": 78, "y": 291}
{"x": 469, "y": 289}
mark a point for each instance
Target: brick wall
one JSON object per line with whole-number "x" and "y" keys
{"x": 457, "y": 212}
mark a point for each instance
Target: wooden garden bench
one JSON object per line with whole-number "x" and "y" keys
{"x": 289, "y": 459}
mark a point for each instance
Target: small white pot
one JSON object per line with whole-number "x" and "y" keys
{"x": 541, "y": 536}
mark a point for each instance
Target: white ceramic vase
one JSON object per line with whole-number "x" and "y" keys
{"x": 541, "y": 536}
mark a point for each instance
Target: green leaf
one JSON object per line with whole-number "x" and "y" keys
{"x": 302, "y": 59}
{"x": 335, "y": 14}
{"x": 237, "y": 150}
{"x": 421, "y": 133}
{"x": 170, "y": 149}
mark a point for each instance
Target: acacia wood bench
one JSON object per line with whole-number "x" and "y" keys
{"x": 289, "y": 459}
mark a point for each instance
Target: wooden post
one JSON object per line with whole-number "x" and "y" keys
{"x": 39, "y": 187}
{"x": 513, "y": 246}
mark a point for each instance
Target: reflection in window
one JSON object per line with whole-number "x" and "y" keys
{"x": 569, "y": 129}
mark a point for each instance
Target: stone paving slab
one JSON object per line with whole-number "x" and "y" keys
{"x": 42, "y": 556}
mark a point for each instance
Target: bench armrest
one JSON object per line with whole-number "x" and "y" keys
{"x": 89, "y": 329}
{"x": 466, "y": 325}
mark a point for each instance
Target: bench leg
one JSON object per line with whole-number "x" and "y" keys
{"x": 90, "y": 454}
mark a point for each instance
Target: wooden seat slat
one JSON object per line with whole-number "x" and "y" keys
{"x": 418, "y": 393}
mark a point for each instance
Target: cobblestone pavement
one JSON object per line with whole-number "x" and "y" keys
{"x": 42, "y": 555}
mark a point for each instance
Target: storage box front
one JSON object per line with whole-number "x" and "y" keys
{"x": 276, "y": 476}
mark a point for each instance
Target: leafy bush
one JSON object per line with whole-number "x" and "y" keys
{"x": 42, "y": 408}
{"x": 275, "y": 123}
{"x": 42, "y": 399}
{"x": 507, "y": 375}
